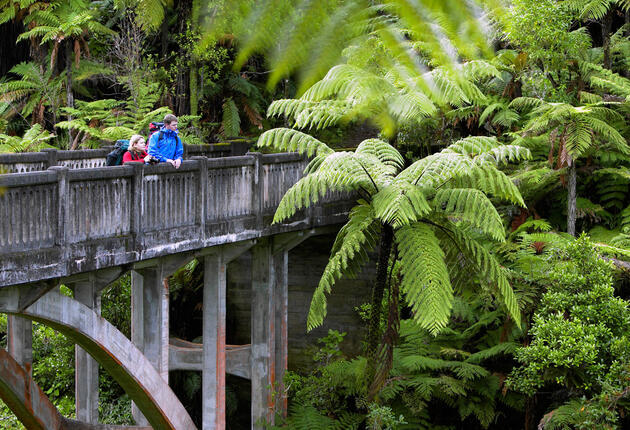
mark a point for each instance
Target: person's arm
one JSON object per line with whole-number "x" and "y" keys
{"x": 179, "y": 149}
{"x": 127, "y": 157}
{"x": 154, "y": 147}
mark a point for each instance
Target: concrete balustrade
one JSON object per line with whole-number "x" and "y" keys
{"x": 59, "y": 222}
{"x": 91, "y": 158}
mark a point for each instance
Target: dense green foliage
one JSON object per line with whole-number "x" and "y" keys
{"x": 491, "y": 134}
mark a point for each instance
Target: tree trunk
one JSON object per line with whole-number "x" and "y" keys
{"x": 69, "y": 93}
{"x": 194, "y": 73}
{"x": 607, "y": 22}
{"x": 387, "y": 239}
{"x": 572, "y": 199}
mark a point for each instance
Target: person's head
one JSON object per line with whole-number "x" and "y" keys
{"x": 137, "y": 144}
{"x": 170, "y": 121}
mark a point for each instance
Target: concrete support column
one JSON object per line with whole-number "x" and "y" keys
{"x": 213, "y": 385}
{"x": 281, "y": 302}
{"x": 215, "y": 262}
{"x": 149, "y": 321}
{"x": 263, "y": 366}
{"x": 20, "y": 341}
{"x": 86, "y": 368}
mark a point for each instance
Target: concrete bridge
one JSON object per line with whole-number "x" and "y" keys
{"x": 86, "y": 227}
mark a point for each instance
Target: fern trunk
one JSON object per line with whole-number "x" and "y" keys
{"x": 193, "y": 86}
{"x": 572, "y": 199}
{"x": 387, "y": 239}
{"x": 607, "y": 22}
{"x": 69, "y": 93}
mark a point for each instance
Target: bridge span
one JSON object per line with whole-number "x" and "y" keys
{"x": 84, "y": 228}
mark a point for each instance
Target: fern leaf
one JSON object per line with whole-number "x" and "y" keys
{"x": 400, "y": 204}
{"x": 386, "y": 153}
{"x": 425, "y": 283}
{"x": 286, "y": 139}
{"x": 350, "y": 252}
{"x": 473, "y": 207}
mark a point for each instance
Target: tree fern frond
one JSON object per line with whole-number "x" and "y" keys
{"x": 286, "y": 139}
{"x": 399, "y": 204}
{"x": 425, "y": 283}
{"x": 525, "y": 103}
{"x": 505, "y": 348}
{"x": 437, "y": 169}
{"x": 350, "y": 252}
{"x": 471, "y": 206}
{"x": 489, "y": 268}
{"x": 386, "y": 153}
{"x": 231, "y": 122}
{"x": 472, "y": 146}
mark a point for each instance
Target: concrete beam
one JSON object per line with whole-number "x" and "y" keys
{"x": 131, "y": 369}
{"x": 101, "y": 279}
{"x": 185, "y": 355}
{"x": 27, "y": 401}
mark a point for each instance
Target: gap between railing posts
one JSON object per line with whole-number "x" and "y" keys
{"x": 257, "y": 189}
{"x": 137, "y": 203}
{"x": 202, "y": 198}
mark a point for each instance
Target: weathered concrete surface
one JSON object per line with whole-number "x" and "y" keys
{"x": 112, "y": 350}
{"x": 91, "y": 158}
{"x": 185, "y": 355}
{"x": 27, "y": 401}
{"x": 306, "y": 264}
{"x": 86, "y": 368}
{"x": 31, "y": 406}
{"x": 60, "y": 222}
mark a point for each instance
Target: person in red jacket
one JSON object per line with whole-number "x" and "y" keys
{"x": 137, "y": 150}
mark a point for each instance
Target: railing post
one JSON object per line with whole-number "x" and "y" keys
{"x": 52, "y": 156}
{"x": 202, "y": 200}
{"x": 63, "y": 201}
{"x": 137, "y": 201}
{"x": 258, "y": 198}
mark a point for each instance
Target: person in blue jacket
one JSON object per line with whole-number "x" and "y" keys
{"x": 165, "y": 145}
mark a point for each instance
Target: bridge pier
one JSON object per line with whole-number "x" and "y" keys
{"x": 149, "y": 321}
{"x": 86, "y": 368}
{"x": 20, "y": 341}
{"x": 215, "y": 261}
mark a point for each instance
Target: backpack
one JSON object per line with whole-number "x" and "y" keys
{"x": 115, "y": 157}
{"x": 153, "y": 127}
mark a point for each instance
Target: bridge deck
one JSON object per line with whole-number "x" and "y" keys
{"x": 61, "y": 221}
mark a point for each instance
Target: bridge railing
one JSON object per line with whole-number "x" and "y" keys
{"x": 91, "y": 158}
{"x": 62, "y": 206}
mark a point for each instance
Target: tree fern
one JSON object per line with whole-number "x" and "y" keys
{"x": 231, "y": 123}
{"x": 422, "y": 212}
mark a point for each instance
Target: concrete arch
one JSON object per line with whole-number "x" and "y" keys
{"x": 111, "y": 349}
{"x": 31, "y": 406}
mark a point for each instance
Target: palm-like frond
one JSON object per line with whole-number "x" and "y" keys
{"x": 488, "y": 267}
{"x": 400, "y": 204}
{"x": 286, "y": 139}
{"x": 350, "y": 252}
{"x": 426, "y": 282}
{"x": 471, "y": 206}
{"x": 385, "y": 153}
